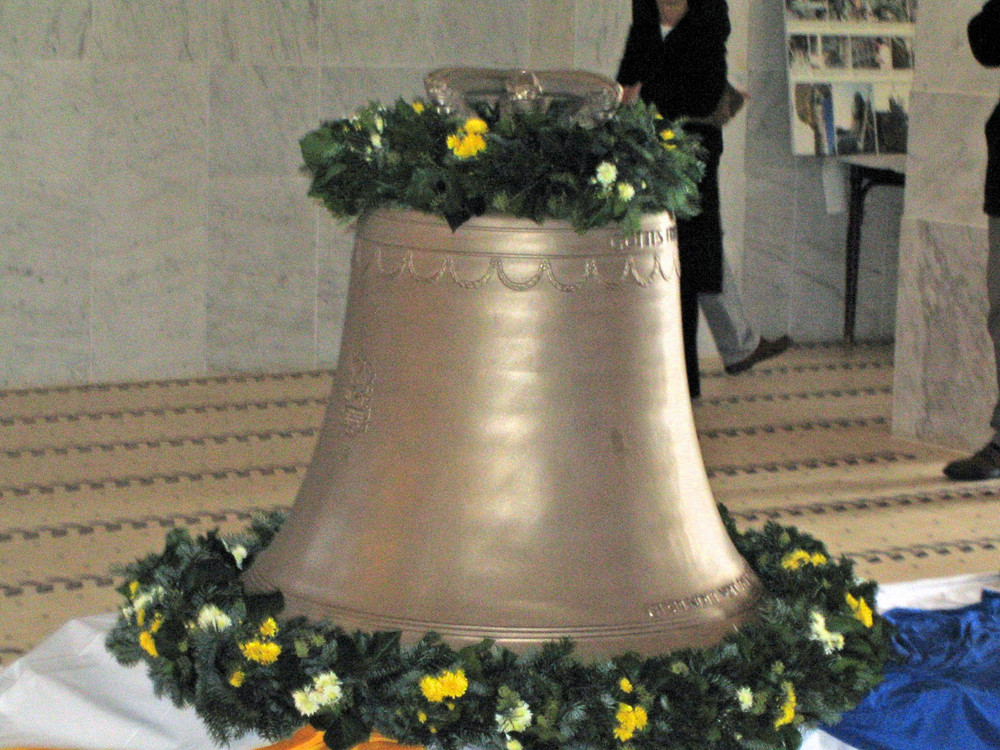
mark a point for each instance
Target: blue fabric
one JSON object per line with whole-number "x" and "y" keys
{"x": 945, "y": 693}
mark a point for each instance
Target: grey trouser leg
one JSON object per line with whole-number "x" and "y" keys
{"x": 734, "y": 338}
{"x": 993, "y": 319}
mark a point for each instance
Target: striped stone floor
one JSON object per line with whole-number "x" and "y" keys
{"x": 94, "y": 476}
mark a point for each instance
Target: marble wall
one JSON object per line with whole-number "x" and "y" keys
{"x": 945, "y": 385}
{"x": 155, "y": 222}
{"x": 793, "y": 255}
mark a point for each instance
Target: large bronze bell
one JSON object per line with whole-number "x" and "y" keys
{"x": 509, "y": 450}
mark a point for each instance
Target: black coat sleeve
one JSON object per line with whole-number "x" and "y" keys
{"x": 641, "y": 44}
{"x": 686, "y": 73}
{"x": 984, "y": 34}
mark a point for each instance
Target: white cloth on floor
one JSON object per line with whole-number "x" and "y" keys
{"x": 70, "y": 692}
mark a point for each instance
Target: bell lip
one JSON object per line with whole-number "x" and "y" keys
{"x": 703, "y": 623}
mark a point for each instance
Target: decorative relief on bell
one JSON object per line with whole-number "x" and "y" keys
{"x": 358, "y": 393}
{"x": 745, "y": 583}
{"x": 564, "y": 274}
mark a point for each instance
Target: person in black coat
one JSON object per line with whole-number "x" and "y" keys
{"x": 675, "y": 58}
{"x": 984, "y": 40}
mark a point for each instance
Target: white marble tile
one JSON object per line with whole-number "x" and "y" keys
{"x": 148, "y": 311}
{"x": 768, "y": 138}
{"x": 131, "y": 211}
{"x": 335, "y": 245}
{"x": 381, "y": 33}
{"x": 764, "y": 286}
{"x": 344, "y": 90}
{"x": 551, "y": 34}
{"x": 263, "y": 225}
{"x": 766, "y": 35}
{"x": 945, "y": 386}
{"x": 150, "y": 119}
{"x": 166, "y": 30}
{"x": 275, "y": 32}
{"x": 947, "y": 157}
{"x": 44, "y": 283}
{"x": 260, "y": 321}
{"x": 600, "y": 28}
{"x": 763, "y": 226}
{"x": 495, "y": 34}
{"x": 262, "y": 277}
{"x": 257, "y": 115}
{"x": 45, "y": 28}
{"x": 941, "y": 50}
{"x": 45, "y": 118}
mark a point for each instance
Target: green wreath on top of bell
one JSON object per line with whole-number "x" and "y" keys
{"x": 533, "y": 163}
{"x": 814, "y": 649}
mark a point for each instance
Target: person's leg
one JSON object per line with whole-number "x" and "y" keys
{"x": 689, "y": 331}
{"x": 993, "y": 319}
{"x": 985, "y": 463}
{"x": 734, "y": 338}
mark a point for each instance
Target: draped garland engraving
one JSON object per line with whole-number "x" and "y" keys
{"x": 651, "y": 258}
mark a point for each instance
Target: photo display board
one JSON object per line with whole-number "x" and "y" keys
{"x": 850, "y": 67}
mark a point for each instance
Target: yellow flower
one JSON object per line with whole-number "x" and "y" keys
{"x": 147, "y": 643}
{"x": 861, "y": 610}
{"x": 631, "y": 719}
{"x": 447, "y": 685}
{"x": 797, "y": 558}
{"x": 260, "y": 652}
{"x": 418, "y": 107}
{"x": 269, "y": 628}
{"x": 476, "y": 126}
{"x": 787, "y": 713}
{"x": 431, "y": 688}
{"x": 421, "y": 717}
{"x": 454, "y": 684}
{"x": 236, "y": 678}
{"x": 133, "y": 589}
{"x": 625, "y": 684}
{"x": 667, "y": 135}
{"x": 466, "y": 145}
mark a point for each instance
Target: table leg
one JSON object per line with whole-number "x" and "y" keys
{"x": 855, "y": 217}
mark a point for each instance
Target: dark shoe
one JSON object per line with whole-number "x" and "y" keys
{"x": 765, "y": 350}
{"x": 983, "y": 464}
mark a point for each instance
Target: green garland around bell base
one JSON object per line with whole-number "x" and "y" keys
{"x": 814, "y": 651}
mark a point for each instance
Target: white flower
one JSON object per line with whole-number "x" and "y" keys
{"x": 376, "y": 140}
{"x": 239, "y": 553}
{"x": 305, "y": 702}
{"x": 327, "y": 688}
{"x": 517, "y": 719}
{"x": 514, "y": 745}
{"x": 625, "y": 191}
{"x": 831, "y": 641}
{"x": 212, "y": 618}
{"x": 745, "y": 697}
{"x": 325, "y": 692}
{"x": 606, "y": 174}
{"x": 379, "y": 123}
